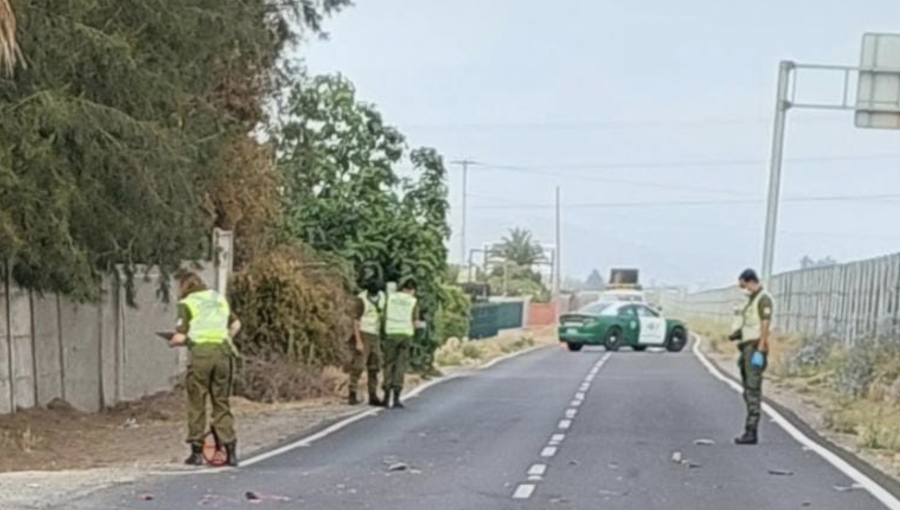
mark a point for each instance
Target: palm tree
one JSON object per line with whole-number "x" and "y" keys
{"x": 520, "y": 248}
{"x": 9, "y": 48}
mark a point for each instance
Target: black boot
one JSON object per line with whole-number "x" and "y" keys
{"x": 196, "y": 458}
{"x": 396, "y": 400}
{"x": 748, "y": 439}
{"x": 352, "y": 399}
{"x": 231, "y": 451}
{"x": 374, "y": 400}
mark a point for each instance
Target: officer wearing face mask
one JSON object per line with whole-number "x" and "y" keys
{"x": 752, "y": 332}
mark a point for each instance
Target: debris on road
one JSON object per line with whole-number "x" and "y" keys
{"x": 704, "y": 442}
{"x": 609, "y": 493}
{"x": 613, "y": 466}
{"x": 850, "y": 488}
{"x": 398, "y": 466}
{"x": 781, "y": 472}
{"x": 146, "y": 497}
{"x": 574, "y": 462}
{"x": 255, "y": 497}
{"x": 677, "y": 457}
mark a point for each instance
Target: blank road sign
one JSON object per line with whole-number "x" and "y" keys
{"x": 878, "y": 94}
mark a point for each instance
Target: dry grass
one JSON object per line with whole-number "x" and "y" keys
{"x": 458, "y": 353}
{"x": 9, "y": 47}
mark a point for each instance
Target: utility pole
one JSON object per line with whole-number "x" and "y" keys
{"x": 464, "y": 163}
{"x": 558, "y": 255}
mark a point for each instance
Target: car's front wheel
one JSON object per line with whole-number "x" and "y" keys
{"x": 613, "y": 339}
{"x": 574, "y": 346}
{"x": 677, "y": 340}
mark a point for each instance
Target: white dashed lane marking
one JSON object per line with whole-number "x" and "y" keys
{"x": 524, "y": 491}
{"x": 536, "y": 471}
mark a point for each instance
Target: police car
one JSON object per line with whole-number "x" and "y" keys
{"x": 616, "y": 324}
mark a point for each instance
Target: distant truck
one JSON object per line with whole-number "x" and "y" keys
{"x": 624, "y": 285}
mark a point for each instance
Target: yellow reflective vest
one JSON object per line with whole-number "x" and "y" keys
{"x": 372, "y": 313}
{"x": 400, "y": 309}
{"x": 752, "y": 321}
{"x": 209, "y": 317}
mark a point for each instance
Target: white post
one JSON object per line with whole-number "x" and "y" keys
{"x": 557, "y": 256}
{"x": 781, "y": 109}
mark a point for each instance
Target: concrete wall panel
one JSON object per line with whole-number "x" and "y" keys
{"x": 48, "y": 358}
{"x": 22, "y": 348}
{"x": 80, "y": 325}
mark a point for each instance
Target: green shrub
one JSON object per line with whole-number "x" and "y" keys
{"x": 454, "y": 315}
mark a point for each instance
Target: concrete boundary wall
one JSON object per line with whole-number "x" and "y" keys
{"x": 93, "y": 355}
{"x": 846, "y": 301}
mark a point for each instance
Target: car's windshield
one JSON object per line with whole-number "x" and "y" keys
{"x": 595, "y": 309}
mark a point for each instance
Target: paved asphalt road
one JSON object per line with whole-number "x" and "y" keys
{"x": 594, "y": 432}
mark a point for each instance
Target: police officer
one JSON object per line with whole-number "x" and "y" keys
{"x": 206, "y": 327}
{"x": 357, "y": 350}
{"x": 400, "y": 327}
{"x": 752, "y": 332}
{"x": 372, "y": 328}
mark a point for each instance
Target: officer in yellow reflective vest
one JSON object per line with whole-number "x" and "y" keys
{"x": 752, "y": 332}
{"x": 372, "y": 327}
{"x": 206, "y": 327}
{"x": 401, "y": 316}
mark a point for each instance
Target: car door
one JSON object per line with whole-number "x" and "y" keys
{"x": 652, "y": 327}
{"x": 630, "y": 323}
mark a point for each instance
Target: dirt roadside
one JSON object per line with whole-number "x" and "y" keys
{"x": 808, "y": 408}
{"x": 51, "y": 455}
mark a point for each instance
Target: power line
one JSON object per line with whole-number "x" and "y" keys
{"x": 652, "y": 165}
{"x": 613, "y": 180}
{"x": 608, "y": 125}
{"x": 692, "y": 203}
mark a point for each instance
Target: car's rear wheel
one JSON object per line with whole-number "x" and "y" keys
{"x": 613, "y": 340}
{"x": 574, "y": 346}
{"x": 639, "y": 348}
{"x": 677, "y": 340}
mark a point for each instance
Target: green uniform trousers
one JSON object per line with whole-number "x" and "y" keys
{"x": 369, "y": 360}
{"x": 210, "y": 374}
{"x": 752, "y": 379}
{"x": 396, "y": 359}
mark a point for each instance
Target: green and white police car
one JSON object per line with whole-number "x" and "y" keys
{"x": 621, "y": 324}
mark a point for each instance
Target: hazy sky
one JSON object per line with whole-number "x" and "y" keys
{"x": 638, "y": 102}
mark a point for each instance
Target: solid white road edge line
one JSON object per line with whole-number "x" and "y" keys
{"x": 876, "y": 490}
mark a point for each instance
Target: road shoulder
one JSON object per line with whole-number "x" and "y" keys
{"x": 804, "y": 417}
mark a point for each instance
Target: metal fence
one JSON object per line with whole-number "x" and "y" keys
{"x": 846, "y": 301}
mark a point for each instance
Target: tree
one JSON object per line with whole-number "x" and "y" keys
{"x": 520, "y": 248}
{"x": 595, "y": 281}
{"x": 343, "y": 195}
{"x": 126, "y": 137}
